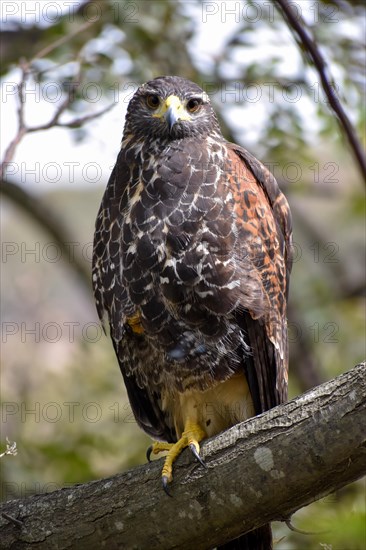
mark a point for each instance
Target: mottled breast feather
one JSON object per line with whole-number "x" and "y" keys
{"x": 191, "y": 266}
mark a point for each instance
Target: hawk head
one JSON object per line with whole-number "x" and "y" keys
{"x": 168, "y": 108}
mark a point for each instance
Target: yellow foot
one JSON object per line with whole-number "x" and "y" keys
{"x": 191, "y": 437}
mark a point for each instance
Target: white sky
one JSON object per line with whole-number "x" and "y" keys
{"x": 52, "y": 158}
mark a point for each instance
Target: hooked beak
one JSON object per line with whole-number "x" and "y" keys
{"x": 171, "y": 116}
{"x": 172, "y": 111}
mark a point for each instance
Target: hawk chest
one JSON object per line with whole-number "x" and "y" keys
{"x": 179, "y": 268}
{"x": 177, "y": 221}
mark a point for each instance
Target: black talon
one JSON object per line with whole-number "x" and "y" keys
{"x": 165, "y": 483}
{"x": 196, "y": 454}
{"x": 148, "y": 453}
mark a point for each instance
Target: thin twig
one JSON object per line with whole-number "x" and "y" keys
{"x": 298, "y": 26}
{"x": 53, "y": 67}
{"x": 10, "y": 150}
{"x": 76, "y": 123}
{"x": 21, "y": 98}
{"x": 60, "y": 41}
{"x": 26, "y": 70}
{"x": 22, "y": 130}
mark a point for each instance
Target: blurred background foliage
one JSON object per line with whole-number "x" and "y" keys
{"x": 63, "y": 399}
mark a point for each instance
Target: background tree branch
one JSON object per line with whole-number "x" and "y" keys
{"x": 309, "y": 46}
{"x": 49, "y": 221}
{"x": 23, "y": 129}
{"x": 260, "y": 470}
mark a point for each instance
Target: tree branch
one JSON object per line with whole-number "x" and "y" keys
{"x": 258, "y": 471}
{"x": 26, "y": 71}
{"x": 49, "y": 222}
{"x": 63, "y": 40}
{"x": 307, "y": 44}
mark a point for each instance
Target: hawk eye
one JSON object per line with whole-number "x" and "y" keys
{"x": 194, "y": 104}
{"x": 152, "y": 101}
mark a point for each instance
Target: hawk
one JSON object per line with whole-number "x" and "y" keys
{"x": 191, "y": 266}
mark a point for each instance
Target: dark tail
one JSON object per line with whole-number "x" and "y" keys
{"x": 259, "y": 539}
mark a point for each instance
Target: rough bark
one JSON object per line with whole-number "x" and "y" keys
{"x": 261, "y": 470}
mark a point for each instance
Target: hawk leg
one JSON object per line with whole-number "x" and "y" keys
{"x": 191, "y": 438}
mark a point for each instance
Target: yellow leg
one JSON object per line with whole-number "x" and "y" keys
{"x": 191, "y": 437}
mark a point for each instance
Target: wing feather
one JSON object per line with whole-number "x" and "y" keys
{"x": 264, "y": 219}
{"x": 145, "y": 405}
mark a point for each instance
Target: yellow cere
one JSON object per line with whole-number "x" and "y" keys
{"x": 174, "y": 104}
